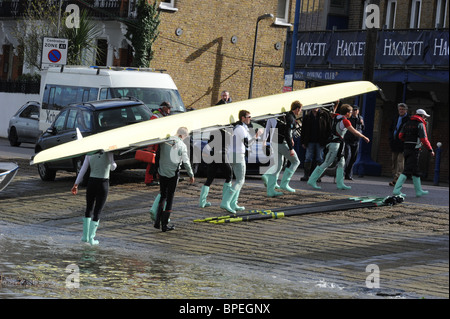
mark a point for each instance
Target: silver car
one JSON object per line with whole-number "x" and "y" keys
{"x": 24, "y": 125}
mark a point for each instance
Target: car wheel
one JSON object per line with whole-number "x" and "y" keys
{"x": 46, "y": 173}
{"x": 13, "y": 138}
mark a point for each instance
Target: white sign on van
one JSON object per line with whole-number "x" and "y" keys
{"x": 54, "y": 52}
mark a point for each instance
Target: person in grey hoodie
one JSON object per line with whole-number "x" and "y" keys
{"x": 169, "y": 157}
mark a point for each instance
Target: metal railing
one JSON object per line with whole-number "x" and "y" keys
{"x": 24, "y": 86}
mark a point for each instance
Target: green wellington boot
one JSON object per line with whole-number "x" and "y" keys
{"x": 227, "y": 198}
{"x": 234, "y": 200}
{"x": 154, "y": 208}
{"x": 92, "y": 231}
{"x": 226, "y": 187}
{"x": 203, "y": 195}
{"x": 271, "y": 184}
{"x": 265, "y": 178}
{"x": 288, "y": 173}
{"x": 312, "y": 181}
{"x": 398, "y": 185}
{"x": 86, "y": 224}
{"x": 340, "y": 179}
{"x": 418, "y": 186}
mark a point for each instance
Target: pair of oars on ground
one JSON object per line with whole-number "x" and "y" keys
{"x": 320, "y": 207}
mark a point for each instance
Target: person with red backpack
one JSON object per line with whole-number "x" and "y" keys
{"x": 414, "y": 136}
{"x": 339, "y": 128}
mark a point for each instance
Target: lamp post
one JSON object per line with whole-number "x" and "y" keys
{"x": 264, "y": 16}
{"x": 59, "y": 16}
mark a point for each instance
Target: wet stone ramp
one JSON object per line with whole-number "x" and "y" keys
{"x": 408, "y": 243}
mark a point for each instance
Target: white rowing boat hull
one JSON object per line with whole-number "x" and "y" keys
{"x": 154, "y": 131}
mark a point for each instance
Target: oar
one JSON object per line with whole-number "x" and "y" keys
{"x": 381, "y": 201}
{"x": 257, "y": 212}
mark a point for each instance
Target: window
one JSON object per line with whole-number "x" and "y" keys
{"x": 441, "y": 16}
{"x": 61, "y": 119}
{"x": 71, "y": 120}
{"x": 29, "y": 111}
{"x": 282, "y": 13}
{"x": 390, "y": 14}
{"x": 58, "y": 96}
{"x": 416, "y": 6}
{"x": 168, "y": 5}
{"x": 84, "y": 121}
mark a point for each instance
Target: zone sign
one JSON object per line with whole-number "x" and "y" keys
{"x": 54, "y": 52}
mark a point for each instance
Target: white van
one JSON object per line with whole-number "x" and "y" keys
{"x": 61, "y": 86}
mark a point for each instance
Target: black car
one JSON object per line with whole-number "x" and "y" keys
{"x": 90, "y": 118}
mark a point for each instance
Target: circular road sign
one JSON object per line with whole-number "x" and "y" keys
{"x": 54, "y": 56}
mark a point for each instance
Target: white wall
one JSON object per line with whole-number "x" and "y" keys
{"x": 9, "y": 104}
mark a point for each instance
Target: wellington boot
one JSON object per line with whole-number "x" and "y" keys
{"x": 307, "y": 171}
{"x": 312, "y": 181}
{"x": 227, "y": 198}
{"x": 165, "y": 220}
{"x": 340, "y": 179}
{"x": 86, "y": 224}
{"x": 265, "y": 178}
{"x": 234, "y": 201}
{"x": 288, "y": 173}
{"x": 159, "y": 211}
{"x": 225, "y": 189}
{"x": 154, "y": 208}
{"x": 203, "y": 195}
{"x": 398, "y": 185}
{"x": 418, "y": 186}
{"x": 92, "y": 231}
{"x": 271, "y": 182}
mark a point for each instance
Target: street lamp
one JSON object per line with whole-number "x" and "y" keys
{"x": 264, "y": 16}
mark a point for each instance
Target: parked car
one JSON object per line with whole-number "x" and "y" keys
{"x": 24, "y": 125}
{"x": 90, "y": 118}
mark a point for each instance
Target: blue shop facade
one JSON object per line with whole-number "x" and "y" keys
{"x": 409, "y": 66}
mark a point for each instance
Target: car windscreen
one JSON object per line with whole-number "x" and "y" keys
{"x": 107, "y": 119}
{"x": 152, "y": 97}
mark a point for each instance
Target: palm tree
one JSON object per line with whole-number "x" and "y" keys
{"x": 82, "y": 41}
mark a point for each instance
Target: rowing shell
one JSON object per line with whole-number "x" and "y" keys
{"x": 155, "y": 131}
{"x": 7, "y": 172}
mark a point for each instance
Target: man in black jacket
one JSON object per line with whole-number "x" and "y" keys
{"x": 395, "y": 143}
{"x": 316, "y": 129}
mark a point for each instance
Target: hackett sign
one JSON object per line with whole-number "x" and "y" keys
{"x": 414, "y": 47}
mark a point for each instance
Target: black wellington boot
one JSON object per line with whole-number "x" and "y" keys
{"x": 307, "y": 171}
{"x": 165, "y": 220}
{"x": 159, "y": 213}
